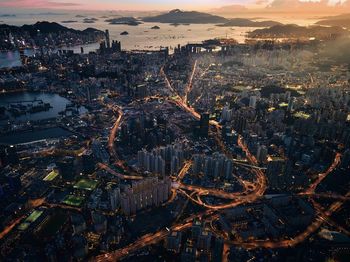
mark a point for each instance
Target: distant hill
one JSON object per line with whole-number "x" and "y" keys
{"x": 340, "y": 20}
{"x": 243, "y": 22}
{"x": 123, "y": 21}
{"x": 44, "y": 28}
{"x": 190, "y": 17}
{"x": 295, "y": 31}
{"x": 89, "y": 20}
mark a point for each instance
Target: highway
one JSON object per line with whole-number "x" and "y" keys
{"x": 251, "y": 192}
{"x": 260, "y": 187}
{"x": 114, "y": 131}
{"x": 9, "y": 227}
{"x": 321, "y": 218}
{"x": 149, "y": 239}
{"x": 189, "y": 85}
{"x": 322, "y": 176}
{"x": 121, "y": 176}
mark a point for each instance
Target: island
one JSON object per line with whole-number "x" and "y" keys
{"x": 69, "y": 21}
{"x": 295, "y": 31}
{"x": 90, "y": 20}
{"x": 243, "y": 22}
{"x": 339, "y": 20}
{"x": 155, "y": 27}
{"x": 7, "y": 15}
{"x": 124, "y": 33}
{"x": 185, "y": 17}
{"x": 124, "y": 21}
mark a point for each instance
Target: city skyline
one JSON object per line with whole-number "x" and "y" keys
{"x": 160, "y": 133}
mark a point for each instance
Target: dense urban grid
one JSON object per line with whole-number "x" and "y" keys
{"x": 217, "y": 152}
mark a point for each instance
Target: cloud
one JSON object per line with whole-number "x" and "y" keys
{"x": 261, "y": 2}
{"x": 36, "y": 4}
{"x": 311, "y": 7}
{"x": 284, "y": 4}
{"x": 231, "y": 8}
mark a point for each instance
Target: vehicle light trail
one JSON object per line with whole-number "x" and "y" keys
{"x": 322, "y": 176}
{"x": 11, "y": 226}
{"x": 189, "y": 85}
{"x": 111, "y": 171}
{"x": 149, "y": 239}
{"x": 114, "y": 131}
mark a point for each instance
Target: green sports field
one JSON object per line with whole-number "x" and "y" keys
{"x": 30, "y": 219}
{"x": 72, "y": 200}
{"x": 86, "y": 184}
{"x": 51, "y": 176}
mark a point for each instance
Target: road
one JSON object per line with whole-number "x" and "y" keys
{"x": 121, "y": 176}
{"x": 150, "y": 239}
{"x": 321, "y": 218}
{"x": 252, "y": 192}
{"x": 322, "y": 176}
{"x": 9, "y": 227}
{"x": 113, "y": 133}
{"x": 260, "y": 187}
{"x": 190, "y": 82}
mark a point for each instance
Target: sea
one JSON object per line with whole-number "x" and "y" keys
{"x": 57, "y": 102}
{"x": 34, "y": 135}
{"x": 140, "y": 37}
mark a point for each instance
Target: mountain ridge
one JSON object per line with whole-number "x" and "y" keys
{"x": 191, "y": 17}
{"x": 45, "y": 28}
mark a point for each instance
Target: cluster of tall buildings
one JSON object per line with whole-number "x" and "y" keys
{"x": 217, "y": 165}
{"x": 151, "y": 162}
{"x": 145, "y": 131}
{"x": 162, "y": 159}
{"x": 145, "y": 193}
{"x": 227, "y": 113}
{"x": 107, "y": 45}
{"x": 200, "y": 244}
{"x": 99, "y": 151}
{"x": 238, "y": 120}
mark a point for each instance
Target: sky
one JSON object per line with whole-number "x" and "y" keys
{"x": 154, "y": 4}
{"x": 116, "y": 4}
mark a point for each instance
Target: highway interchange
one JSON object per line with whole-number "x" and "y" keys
{"x": 251, "y": 191}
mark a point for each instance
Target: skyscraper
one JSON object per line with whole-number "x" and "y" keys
{"x": 262, "y": 154}
{"x": 114, "y": 197}
{"x": 108, "y": 42}
{"x": 88, "y": 162}
{"x": 173, "y": 242}
{"x": 252, "y": 101}
{"x": 276, "y": 172}
{"x": 204, "y": 125}
{"x": 11, "y": 154}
